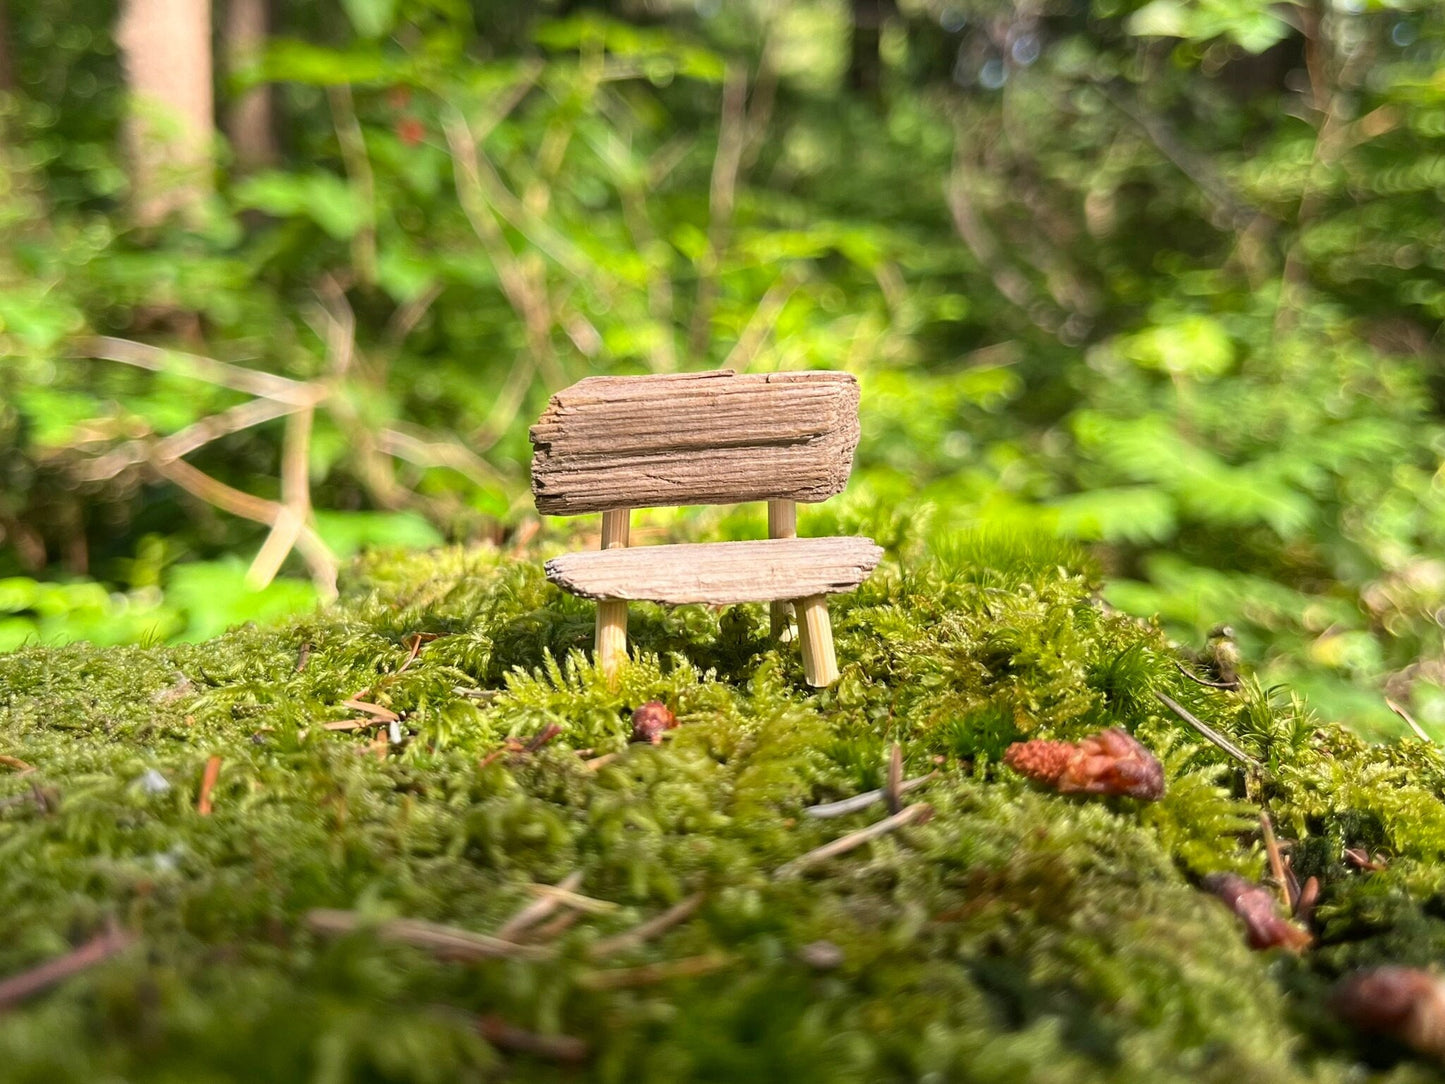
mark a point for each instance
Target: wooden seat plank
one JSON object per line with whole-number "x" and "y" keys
{"x": 719, "y": 573}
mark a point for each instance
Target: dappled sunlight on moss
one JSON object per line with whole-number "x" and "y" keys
{"x": 1015, "y": 932}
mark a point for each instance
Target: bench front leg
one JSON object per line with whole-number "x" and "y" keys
{"x": 782, "y": 523}
{"x": 611, "y": 633}
{"x": 815, "y": 634}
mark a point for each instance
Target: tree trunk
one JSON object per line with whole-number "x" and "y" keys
{"x": 7, "y": 60}
{"x": 165, "y": 48}
{"x": 248, "y": 116}
{"x": 865, "y": 65}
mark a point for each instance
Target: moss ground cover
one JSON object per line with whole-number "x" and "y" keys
{"x": 1016, "y": 934}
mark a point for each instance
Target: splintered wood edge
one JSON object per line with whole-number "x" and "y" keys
{"x": 719, "y": 573}
{"x": 707, "y": 438}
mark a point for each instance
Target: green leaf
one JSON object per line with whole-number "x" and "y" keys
{"x": 325, "y": 198}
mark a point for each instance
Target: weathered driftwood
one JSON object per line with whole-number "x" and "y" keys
{"x": 697, "y": 438}
{"x": 720, "y": 573}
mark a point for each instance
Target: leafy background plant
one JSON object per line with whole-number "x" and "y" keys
{"x": 1165, "y": 278}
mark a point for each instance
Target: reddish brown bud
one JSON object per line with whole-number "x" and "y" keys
{"x": 651, "y": 720}
{"x": 1255, "y": 906}
{"x": 1109, "y": 762}
{"x": 1405, "y": 1003}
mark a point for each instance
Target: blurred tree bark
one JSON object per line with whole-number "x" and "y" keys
{"x": 248, "y": 117}
{"x": 7, "y": 63}
{"x": 865, "y": 65}
{"x": 165, "y": 48}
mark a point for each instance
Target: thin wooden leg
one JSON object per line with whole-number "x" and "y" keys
{"x": 611, "y": 635}
{"x": 815, "y": 631}
{"x": 782, "y": 523}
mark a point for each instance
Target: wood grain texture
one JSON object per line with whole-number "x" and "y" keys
{"x": 719, "y": 573}
{"x": 717, "y": 437}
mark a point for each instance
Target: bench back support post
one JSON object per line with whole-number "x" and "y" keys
{"x": 782, "y": 523}
{"x": 815, "y": 635}
{"x": 611, "y": 634}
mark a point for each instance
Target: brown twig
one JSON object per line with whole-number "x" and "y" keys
{"x": 17, "y": 764}
{"x": 37, "y": 980}
{"x": 650, "y": 974}
{"x": 295, "y": 500}
{"x": 197, "y": 367}
{"x": 318, "y": 557}
{"x": 537, "y": 910}
{"x": 208, "y": 784}
{"x": 893, "y": 792}
{"x": 505, "y": 1036}
{"x": 358, "y": 170}
{"x": 646, "y": 931}
{"x": 722, "y": 194}
{"x": 914, "y": 813}
{"x": 445, "y": 942}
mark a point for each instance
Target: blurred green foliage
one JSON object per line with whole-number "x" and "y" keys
{"x": 1165, "y": 278}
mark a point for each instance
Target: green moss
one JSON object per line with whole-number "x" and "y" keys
{"x": 1018, "y": 934}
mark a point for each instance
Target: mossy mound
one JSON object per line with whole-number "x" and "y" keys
{"x": 1018, "y": 934}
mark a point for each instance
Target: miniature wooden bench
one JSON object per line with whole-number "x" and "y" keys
{"x": 613, "y": 443}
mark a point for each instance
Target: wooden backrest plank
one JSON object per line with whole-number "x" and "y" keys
{"x": 694, "y": 438}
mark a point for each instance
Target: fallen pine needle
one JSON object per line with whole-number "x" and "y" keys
{"x": 1276, "y": 862}
{"x": 646, "y": 931}
{"x": 910, "y": 814}
{"x": 567, "y": 898}
{"x": 1209, "y": 732}
{"x": 862, "y": 801}
{"x": 537, "y": 910}
{"x": 376, "y": 711}
{"x": 208, "y": 784}
{"x": 16, "y": 763}
{"x": 1409, "y": 719}
{"x": 649, "y": 974}
{"x": 600, "y": 762}
{"x": 37, "y": 980}
{"x": 507, "y": 1036}
{"x": 447, "y": 942}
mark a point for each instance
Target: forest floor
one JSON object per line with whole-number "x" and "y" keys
{"x": 410, "y": 838}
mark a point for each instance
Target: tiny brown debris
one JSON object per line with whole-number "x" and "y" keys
{"x": 1404, "y": 1003}
{"x": 16, "y": 764}
{"x": 650, "y": 721}
{"x": 1110, "y": 762}
{"x": 208, "y": 784}
{"x": 1255, "y": 906}
{"x": 1304, "y": 907}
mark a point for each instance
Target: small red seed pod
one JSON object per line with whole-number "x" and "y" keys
{"x": 1109, "y": 762}
{"x": 1255, "y": 906}
{"x": 651, "y": 720}
{"x": 1405, "y": 1003}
